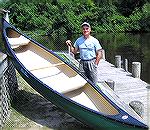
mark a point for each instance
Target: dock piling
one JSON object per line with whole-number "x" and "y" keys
{"x": 138, "y": 107}
{"x": 136, "y": 69}
{"x": 103, "y": 54}
{"x": 118, "y": 61}
{"x": 126, "y": 65}
{"x": 111, "y": 84}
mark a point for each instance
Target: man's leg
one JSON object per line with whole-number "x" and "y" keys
{"x": 92, "y": 71}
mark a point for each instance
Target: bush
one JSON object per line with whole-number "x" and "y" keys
{"x": 67, "y": 15}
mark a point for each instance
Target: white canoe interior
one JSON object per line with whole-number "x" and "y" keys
{"x": 16, "y": 42}
{"x": 59, "y": 76}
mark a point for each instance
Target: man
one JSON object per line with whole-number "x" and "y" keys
{"x": 90, "y": 52}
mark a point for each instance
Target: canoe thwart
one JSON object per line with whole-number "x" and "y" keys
{"x": 53, "y": 65}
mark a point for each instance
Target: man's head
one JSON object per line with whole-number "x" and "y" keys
{"x": 86, "y": 29}
{"x": 85, "y": 24}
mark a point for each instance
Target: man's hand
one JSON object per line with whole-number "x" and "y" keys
{"x": 69, "y": 43}
{"x": 72, "y": 49}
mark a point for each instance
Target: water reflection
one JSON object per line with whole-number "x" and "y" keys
{"x": 134, "y": 47}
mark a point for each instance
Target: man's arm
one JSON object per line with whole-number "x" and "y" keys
{"x": 98, "y": 56}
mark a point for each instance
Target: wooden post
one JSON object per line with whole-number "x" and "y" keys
{"x": 126, "y": 65}
{"x": 118, "y": 61}
{"x": 7, "y": 16}
{"x": 136, "y": 69}
{"x": 5, "y": 12}
{"x": 103, "y": 54}
{"x": 138, "y": 107}
{"x": 111, "y": 84}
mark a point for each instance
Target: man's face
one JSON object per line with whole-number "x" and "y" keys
{"x": 86, "y": 30}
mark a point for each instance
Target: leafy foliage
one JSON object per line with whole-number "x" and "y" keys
{"x": 66, "y": 16}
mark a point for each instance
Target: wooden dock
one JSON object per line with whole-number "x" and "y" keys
{"x": 126, "y": 86}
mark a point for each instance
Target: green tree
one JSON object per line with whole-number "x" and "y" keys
{"x": 66, "y": 16}
{"x": 126, "y": 7}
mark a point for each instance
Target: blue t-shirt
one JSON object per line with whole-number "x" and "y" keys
{"x": 87, "y": 47}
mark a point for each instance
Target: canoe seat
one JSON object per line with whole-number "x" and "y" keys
{"x": 65, "y": 85}
{"x": 16, "y": 42}
{"x": 58, "y": 80}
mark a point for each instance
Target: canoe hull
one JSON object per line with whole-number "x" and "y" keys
{"x": 84, "y": 115}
